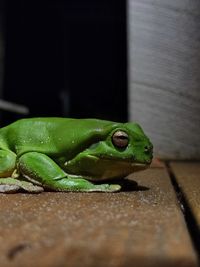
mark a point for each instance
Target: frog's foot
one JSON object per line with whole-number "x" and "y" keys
{"x": 82, "y": 185}
{"x": 106, "y": 188}
{"x": 12, "y": 185}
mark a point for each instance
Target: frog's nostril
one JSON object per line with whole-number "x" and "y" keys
{"x": 148, "y": 149}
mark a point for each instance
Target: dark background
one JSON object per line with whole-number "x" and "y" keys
{"x": 66, "y": 58}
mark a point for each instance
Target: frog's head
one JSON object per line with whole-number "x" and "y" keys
{"x": 125, "y": 149}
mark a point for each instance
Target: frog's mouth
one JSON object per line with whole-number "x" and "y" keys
{"x": 130, "y": 162}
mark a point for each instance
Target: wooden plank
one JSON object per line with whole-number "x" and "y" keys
{"x": 157, "y": 163}
{"x": 164, "y": 71}
{"x": 141, "y": 228}
{"x": 188, "y": 178}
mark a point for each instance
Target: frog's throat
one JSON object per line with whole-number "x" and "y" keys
{"x": 107, "y": 168}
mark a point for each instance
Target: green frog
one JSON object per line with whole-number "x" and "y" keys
{"x": 63, "y": 154}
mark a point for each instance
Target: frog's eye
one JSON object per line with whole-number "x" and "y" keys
{"x": 120, "y": 139}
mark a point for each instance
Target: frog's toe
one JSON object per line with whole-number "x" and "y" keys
{"x": 114, "y": 187}
{"x": 107, "y": 188}
{"x": 31, "y": 188}
{"x": 6, "y": 188}
{"x": 12, "y": 185}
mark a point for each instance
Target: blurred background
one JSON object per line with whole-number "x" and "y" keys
{"x": 136, "y": 60}
{"x": 64, "y": 58}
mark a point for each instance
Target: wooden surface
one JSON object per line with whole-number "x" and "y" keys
{"x": 139, "y": 228}
{"x": 188, "y": 178}
{"x": 164, "y": 71}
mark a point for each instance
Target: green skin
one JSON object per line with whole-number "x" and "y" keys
{"x": 63, "y": 154}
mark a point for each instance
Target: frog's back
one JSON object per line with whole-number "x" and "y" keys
{"x": 26, "y": 131}
{"x": 48, "y": 135}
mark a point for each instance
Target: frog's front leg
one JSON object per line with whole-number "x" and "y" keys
{"x": 9, "y": 180}
{"x": 7, "y": 167}
{"x": 7, "y": 163}
{"x": 41, "y": 169}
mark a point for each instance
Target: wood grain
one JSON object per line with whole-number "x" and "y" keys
{"x": 188, "y": 178}
{"x": 164, "y": 74}
{"x": 140, "y": 228}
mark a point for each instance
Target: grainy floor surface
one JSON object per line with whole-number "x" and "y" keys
{"x": 143, "y": 227}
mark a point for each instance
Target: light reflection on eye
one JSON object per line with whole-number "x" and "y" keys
{"x": 120, "y": 139}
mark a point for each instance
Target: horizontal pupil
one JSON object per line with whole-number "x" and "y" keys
{"x": 122, "y": 137}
